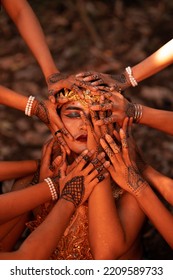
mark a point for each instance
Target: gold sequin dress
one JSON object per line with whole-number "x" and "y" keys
{"x": 74, "y": 244}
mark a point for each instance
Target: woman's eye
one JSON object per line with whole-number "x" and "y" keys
{"x": 73, "y": 115}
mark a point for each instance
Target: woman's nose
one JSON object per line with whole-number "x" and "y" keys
{"x": 83, "y": 125}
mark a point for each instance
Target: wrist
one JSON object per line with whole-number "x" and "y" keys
{"x": 67, "y": 205}
{"x": 138, "y": 192}
{"x": 34, "y": 108}
{"x": 129, "y": 77}
{"x": 134, "y": 111}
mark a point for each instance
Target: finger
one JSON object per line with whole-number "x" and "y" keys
{"x": 98, "y": 160}
{"x": 62, "y": 142}
{"x": 112, "y": 144}
{"x": 117, "y": 136}
{"x": 51, "y": 96}
{"x": 48, "y": 151}
{"x": 75, "y": 88}
{"x": 66, "y": 133}
{"x": 92, "y": 77}
{"x": 97, "y": 83}
{"x": 125, "y": 125}
{"x": 85, "y": 85}
{"x": 130, "y": 127}
{"x": 86, "y": 120}
{"x": 124, "y": 144}
{"x": 101, "y": 177}
{"x": 45, "y": 147}
{"x": 84, "y": 158}
{"x": 57, "y": 161}
{"x": 61, "y": 129}
{"x": 94, "y": 164}
{"x": 54, "y": 166}
{"x": 62, "y": 171}
{"x": 94, "y": 118}
{"x": 99, "y": 170}
{"x": 110, "y": 125}
{"x": 83, "y": 74}
{"x": 110, "y": 120}
{"x": 106, "y": 148}
{"x": 102, "y": 115}
{"x": 102, "y": 107}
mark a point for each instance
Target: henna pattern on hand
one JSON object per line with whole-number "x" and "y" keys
{"x": 121, "y": 82}
{"x": 135, "y": 181}
{"x": 130, "y": 110}
{"x": 42, "y": 113}
{"x": 109, "y": 152}
{"x": 56, "y": 77}
{"x": 74, "y": 190}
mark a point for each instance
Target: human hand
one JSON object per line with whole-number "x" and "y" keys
{"x": 57, "y": 82}
{"x": 118, "y": 105}
{"x": 49, "y": 168}
{"x": 92, "y": 135}
{"x": 134, "y": 151}
{"x": 79, "y": 183}
{"x": 122, "y": 170}
{"x": 46, "y": 111}
{"x": 102, "y": 81}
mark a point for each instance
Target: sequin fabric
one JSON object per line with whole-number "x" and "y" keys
{"x": 74, "y": 244}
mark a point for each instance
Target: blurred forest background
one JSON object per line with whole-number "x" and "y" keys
{"x": 105, "y": 36}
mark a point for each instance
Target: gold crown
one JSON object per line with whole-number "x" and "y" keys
{"x": 89, "y": 97}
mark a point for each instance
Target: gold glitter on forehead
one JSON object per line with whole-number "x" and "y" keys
{"x": 89, "y": 97}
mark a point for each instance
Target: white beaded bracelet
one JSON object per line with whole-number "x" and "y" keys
{"x": 29, "y": 105}
{"x": 52, "y": 188}
{"x": 131, "y": 78}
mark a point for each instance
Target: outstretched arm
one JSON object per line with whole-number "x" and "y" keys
{"x": 15, "y": 169}
{"x": 132, "y": 75}
{"x": 45, "y": 110}
{"x": 74, "y": 190}
{"x": 48, "y": 233}
{"x": 122, "y": 108}
{"x": 159, "y": 60}
{"x": 30, "y": 29}
{"x": 162, "y": 183}
{"x": 129, "y": 178}
{"x": 158, "y": 119}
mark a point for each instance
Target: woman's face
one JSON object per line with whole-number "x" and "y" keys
{"x": 70, "y": 116}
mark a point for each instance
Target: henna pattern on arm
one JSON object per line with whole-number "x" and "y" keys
{"x": 74, "y": 190}
{"x": 134, "y": 180}
{"x": 42, "y": 112}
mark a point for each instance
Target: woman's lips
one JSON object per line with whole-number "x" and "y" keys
{"x": 82, "y": 138}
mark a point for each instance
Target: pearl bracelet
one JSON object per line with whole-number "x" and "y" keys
{"x": 52, "y": 188}
{"x": 131, "y": 78}
{"x": 29, "y": 105}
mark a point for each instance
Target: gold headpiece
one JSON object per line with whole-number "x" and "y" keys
{"x": 89, "y": 97}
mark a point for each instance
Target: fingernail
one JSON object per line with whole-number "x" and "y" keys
{"x": 106, "y": 164}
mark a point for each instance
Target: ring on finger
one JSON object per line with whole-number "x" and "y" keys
{"x": 58, "y": 131}
{"x": 101, "y": 177}
{"x": 124, "y": 143}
